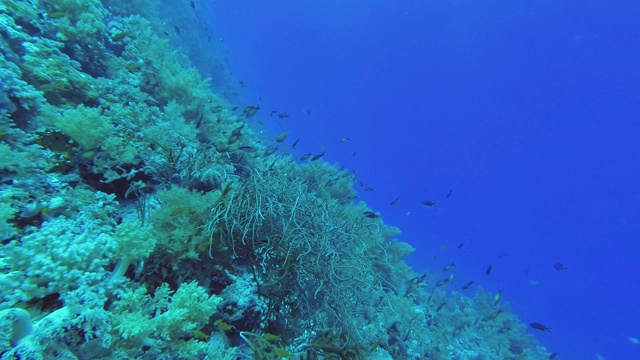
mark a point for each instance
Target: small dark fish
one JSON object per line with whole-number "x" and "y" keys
{"x": 281, "y": 137}
{"x": 208, "y": 38}
{"x": 295, "y": 143}
{"x": 427, "y": 203}
{"x": 441, "y": 306}
{"x": 193, "y": 5}
{"x": 449, "y": 193}
{"x": 370, "y": 214}
{"x": 559, "y": 267}
{"x": 360, "y": 183}
{"x": 489, "y": 268}
{"x": 394, "y": 201}
{"x": 497, "y": 297}
{"x": 306, "y": 112}
{"x": 283, "y": 115}
{"x": 368, "y": 189}
{"x": 234, "y": 108}
{"x": 305, "y": 156}
{"x": 442, "y": 282}
{"x": 250, "y": 110}
{"x": 177, "y": 29}
{"x": 237, "y": 131}
{"x": 242, "y": 83}
{"x": 460, "y": 245}
{"x": 247, "y": 148}
{"x": 354, "y": 154}
{"x": 233, "y": 138}
{"x": 270, "y": 150}
{"x": 316, "y": 157}
{"x": 468, "y": 285}
{"x": 448, "y": 267}
{"x": 273, "y": 112}
{"x": 553, "y": 356}
{"x": 418, "y": 279}
{"x": 492, "y": 316}
{"x": 121, "y": 35}
{"x": 199, "y": 122}
{"x": 540, "y": 327}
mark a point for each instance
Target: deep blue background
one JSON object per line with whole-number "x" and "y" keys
{"x": 528, "y": 111}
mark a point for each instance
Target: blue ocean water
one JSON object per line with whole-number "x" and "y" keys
{"x": 527, "y": 112}
{"x": 218, "y": 179}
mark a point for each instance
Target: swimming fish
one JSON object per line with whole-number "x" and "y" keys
{"x": 442, "y": 282}
{"x": 270, "y": 150}
{"x": 492, "y": 316}
{"x": 305, "y": 156}
{"x": 250, "y": 110}
{"x": 427, "y": 203}
{"x": 316, "y": 157}
{"x": 394, "y": 201}
{"x": 489, "y": 268}
{"x": 121, "y": 35}
{"x": 559, "y": 267}
{"x": 468, "y": 285}
{"x": 540, "y": 327}
{"x": 235, "y": 135}
{"x": 247, "y": 148}
{"x": 370, "y": 214}
{"x": 497, "y": 297}
{"x": 283, "y": 115}
{"x": 281, "y": 137}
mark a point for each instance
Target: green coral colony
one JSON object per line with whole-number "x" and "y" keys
{"x": 135, "y": 223}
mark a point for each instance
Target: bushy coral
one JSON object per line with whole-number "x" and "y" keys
{"x": 55, "y": 258}
{"x": 132, "y": 241}
{"x": 84, "y": 125}
{"x": 166, "y": 316}
{"x": 180, "y": 221}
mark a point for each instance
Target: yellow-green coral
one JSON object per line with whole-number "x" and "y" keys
{"x": 84, "y": 125}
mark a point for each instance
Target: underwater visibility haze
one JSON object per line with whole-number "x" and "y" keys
{"x": 190, "y": 179}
